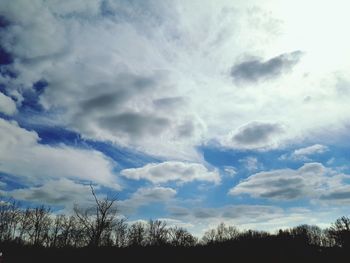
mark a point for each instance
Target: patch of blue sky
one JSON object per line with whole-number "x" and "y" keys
{"x": 31, "y": 103}
{"x": 11, "y": 182}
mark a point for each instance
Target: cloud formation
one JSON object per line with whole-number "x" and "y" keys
{"x": 337, "y": 196}
{"x": 60, "y": 192}
{"x": 7, "y": 105}
{"x": 172, "y": 171}
{"x": 257, "y": 135}
{"x": 261, "y": 217}
{"x": 146, "y": 196}
{"x": 22, "y": 155}
{"x": 155, "y": 77}
{"x": 309, "y": 181}
{"x": 304, "y": 154}
{"x": 256, "y": 69}
{"x": 144, "y": 77}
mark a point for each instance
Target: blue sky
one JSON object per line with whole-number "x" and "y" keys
{"x": 193, "y": 112}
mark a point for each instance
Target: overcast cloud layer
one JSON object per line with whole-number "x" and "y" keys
{"x": 206, "y": 104}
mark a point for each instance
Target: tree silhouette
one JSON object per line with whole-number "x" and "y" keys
{"x": 180, "y": 237}
{"x": 10, "y": 215}
{"x": 42, "y": 231}
{"x": 136, "y": 234}
{"x": 121, "y": 232}
{"x": 340, "y": 232}
{"x": 157, "y": 233}
{"x": 97, "y": 221}
{"x": 220, "y": 234}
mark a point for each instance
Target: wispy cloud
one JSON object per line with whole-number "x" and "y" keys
{"x": 305, "y": 153}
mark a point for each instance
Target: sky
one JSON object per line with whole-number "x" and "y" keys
{"x": 193, "y": 112}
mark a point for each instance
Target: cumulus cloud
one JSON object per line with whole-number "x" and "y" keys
{"x": 116, "y": 75}
{"x": 238, "y": 212}
{"x": 257, "y": 135}
{"x": 142, "y": 75}
{"x": 145, "y": 196}
{"x": 304, "y": 154}
{"x": 60, "y": 192}
{"x": 135, "y": 124}
{"x": 27, "y": 37}
{"x": 309, "y": 181}
{"x": 7, "y": 105}
{"x": 339, "y": 195}
{"x": 172, "y": 171}
{"x": 256, "y": 69}
{"x": 22, "y": 155}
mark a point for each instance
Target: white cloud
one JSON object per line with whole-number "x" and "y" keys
{"x": 172, "y": 171}
{"x": 7, "y": 105}
{"x": 230, "y": 171}
{"x": 256, "y": 135}
{"x": 314, "y": 149}
{"x": 63, "y": 192}
{"x": 23, "y": 156}
{"x": 142, "y": 54}
{"x": 312, "y": 180}
{"x": 251, "y": 163}
{"x": 304, "y": 154}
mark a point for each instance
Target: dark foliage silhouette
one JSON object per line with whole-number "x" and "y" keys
{"x": 98, "y": 233}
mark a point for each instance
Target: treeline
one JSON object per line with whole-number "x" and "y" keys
{"x": 99, "y": 226}
{"x": 39, "y": 227}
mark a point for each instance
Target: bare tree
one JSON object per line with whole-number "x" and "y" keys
{"x": 181, "y": 237}
{"x": 56, "y": 230}
{"x": 25, "y": 225}
{"x": 222, "y": 233}
{"x": 70, "y": 231}
{"x": 121, "y": 232}
{"x": 136, "y": 234}
{"x": 209, "y": 236}
{"x": 98, "y": 220}
{"x": 9, "y": 220}
{"x": 225, "y": 233}
{"x": 157, "y": 233}
{"x": 340, "y": 231}
{"x": 308, "y": 234}
{"x": 40, "y": 225}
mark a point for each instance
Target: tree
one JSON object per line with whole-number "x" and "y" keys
{"x": 25, "y": 225}
{"x": 97, "y": 221}
{"x": 40, "y": 225}
{"x": 209, "y": 236}
{"x": 121, "y": 232}
{"x": 307, "y": 234}
{"x": 157, "y": 233}
{"x": 136, "y": 234}
{"x": 9, "y": 220}
{"x": 340, "y": 232}
{"x": 181, "y": 237}
{"x": 225, "y": 233}
{"x": 221, "y": 233}
{"x": 56, "y": 230}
